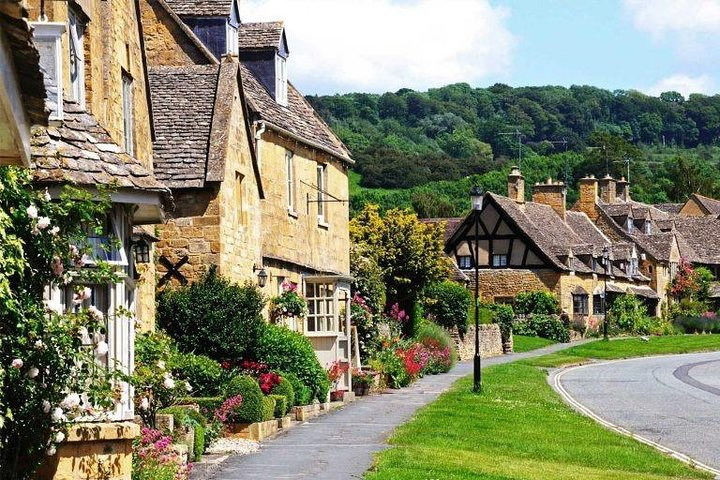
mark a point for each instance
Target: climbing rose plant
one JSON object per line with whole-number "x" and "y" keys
{"x": 50, "y": 372}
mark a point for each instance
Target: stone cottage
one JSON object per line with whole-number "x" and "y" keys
{"x": 540, "y": 245}
{"x": 100, "y": 133}
{"x": 267, "y": 193}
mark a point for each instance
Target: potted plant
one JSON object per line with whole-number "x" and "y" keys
{"x": 288, "y": 307}
{"x": 362, "y": 380}
{"x": 335, "y": 372}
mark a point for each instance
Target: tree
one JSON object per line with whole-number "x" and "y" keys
{"x": 409, "y": 252}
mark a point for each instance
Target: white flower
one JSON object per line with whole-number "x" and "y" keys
{"x": 101, "y": 349}
{"x": 168, "y": 383}
{"x": 83, "y": 333}
{"x": 71, "y": 400}
{"x": 188, "y": 387}
{"x": 92, "y": 310}
{"x": 39, "y": 344}
{"x": 47, "y": 195}
{"x": 33, "y": 372}
{"x": 161, "y": 365}
{"x": 43, "y": 222}
{"x": 74, "y": 251}
{"x": 32, "y": 211}
{"x": 59, "y": 437}
{"x": 17, "y": 363}
{"x": 51, "y": 451}
{"x": 54, "y": 230}
{"x": 144, "y": 403}
{"x": 85, "y": 293}
{"x": 57, "y": 415}
{"x": 46, "y": 406}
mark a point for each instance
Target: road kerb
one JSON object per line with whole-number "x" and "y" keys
{"x": 557, "y": 385}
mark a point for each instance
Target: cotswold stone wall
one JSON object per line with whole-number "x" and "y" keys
{"x": 490, "y": 342}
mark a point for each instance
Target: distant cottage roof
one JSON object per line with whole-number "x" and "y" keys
{"x": 81, "y": 152}
{"x": 298, "y": 119}
{"x": 670, "y": 208}
{"x": 700, "y": 239}
{"x": 183, "y": 99}
{"x": 201, "y": 8}
{"x": 710, "y": 205}
{"x": 260, "y": 36}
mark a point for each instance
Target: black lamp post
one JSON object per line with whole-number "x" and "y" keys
{"x": 606, "y": 260}
{"x": 476, "y": 197}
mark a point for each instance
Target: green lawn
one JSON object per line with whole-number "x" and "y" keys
{"x": 519, "y": 429}
{"x": 522, "y": 343}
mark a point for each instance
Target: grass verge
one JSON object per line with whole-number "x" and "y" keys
{"x": 522, "y": 343}
{"x": 519, "y": 428}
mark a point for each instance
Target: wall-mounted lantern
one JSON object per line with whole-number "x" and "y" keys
{"x": 142, "y": 251}
{"x": 262, "y": 275}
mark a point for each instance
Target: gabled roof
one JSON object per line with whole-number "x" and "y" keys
{"x": 709, "y": 205}
{"x": 298, "y": 119}
{"x": 81, "y": 152}
{"x": 201, "y": 8}
{"x": 700, "y": 234}
{"x": 669, "y": 208}
{"x": 193, "y": 107}
{"x": 450, "y": 223}
{"x": 260, "y": 36}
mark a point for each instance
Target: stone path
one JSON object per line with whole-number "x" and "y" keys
{"x": 341, "y": 444}
{"x": 670, "y": 400}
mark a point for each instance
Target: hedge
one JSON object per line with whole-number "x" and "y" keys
{"x": 281, "y": 405}
{"x": 285, "y": 388}
{"x": 251, "y": 410}
{"x": 203, "y": 373}
{"x": 268, "y": 408}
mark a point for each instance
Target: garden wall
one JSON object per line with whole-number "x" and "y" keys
{"x": 490, "y": 342}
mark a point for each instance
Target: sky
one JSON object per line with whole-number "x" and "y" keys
{"x": 341, "y": 46}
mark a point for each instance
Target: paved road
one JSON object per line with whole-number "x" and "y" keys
{"x": 340, "y": 445}
{"x": 672, "y": 400}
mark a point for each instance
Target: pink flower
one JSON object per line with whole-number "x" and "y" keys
{"x": 57, "y": 266}
{"x": 32, "y": 211}
{"x": 17, "y": 363}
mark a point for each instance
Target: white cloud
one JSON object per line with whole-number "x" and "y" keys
{"x": 684, "y": 84}
{"x": 660, "y": 17}
{"x": 384, "y": 45}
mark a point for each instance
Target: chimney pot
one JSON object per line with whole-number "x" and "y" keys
{"x": 551, "y": 194}
{"x": 516, "y": 185}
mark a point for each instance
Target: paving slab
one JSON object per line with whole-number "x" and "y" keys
{"x": 340, "y": 445}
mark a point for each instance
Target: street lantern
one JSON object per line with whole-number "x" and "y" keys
{"x": 606, "y": 262}
{"x": 476, "y": 198}
{"x": 142, "y": 251}
{"x": 262, "y": 275}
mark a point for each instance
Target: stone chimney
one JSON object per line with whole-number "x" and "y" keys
{"x": 551, "y": 193}
{"x": 623, "y": 189}
{"x": 516, "y": 185}
{"x": 588, "y": 187}
{"x": 608, "y": 193}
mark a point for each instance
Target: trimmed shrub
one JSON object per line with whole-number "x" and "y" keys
{"x": 503, "y": 315}
{"x": 536, "y": 302}
{"x": 207, "y": 405}
{"x": 281, "y": 405}
{"x": 628, "y": 314}
{"x": 213, "y": 317}
{"x": 284, "y": 350}
{"x": 199, "y": 447}
{"x": 545, "y": 326}
{"x": 203, "y": 373}
{"x": 285, "y": 388}
{"x": 251, "y": 410}
{"x": 268, "y": 408}
{"x": 447, "y": 304}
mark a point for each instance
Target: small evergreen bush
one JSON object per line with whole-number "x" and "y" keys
{"x": 447, "y": 303}
{"x": 203, "y": 373}
{"x": 213, "y": 317}
{"x": 268, "y": 408}
{"x": 287, "y": 351}
{"x": 536, "y": 302}
{"x": 281, "y": 405}
{"x": 251, "y": 410}
{"x": 285, "y": 388}
{"x": 545, "y": 326}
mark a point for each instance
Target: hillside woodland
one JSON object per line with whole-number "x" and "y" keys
{"x": 424, "y": 149}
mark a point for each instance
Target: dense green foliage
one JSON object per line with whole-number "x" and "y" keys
{"x": 628, "y": 314}
{"x": 268, "y": 407}
{"x": 189, "y": 417}
{"x": 281, "y": 405}
{"x": 538, "y": 301}
{"x": 545, "y": 326}
{"x": 203, "y": 373}
{"x": 206, "y": 405}
{"x": 287, "y": 351}
{"x": 285, "y": 388}
{"x": 213, "y": 317}
{"x": 447, "y": 304}
{"x": 302, "y": 393}
{"x": 252, "y": 408}
{"x": 501, "y": 314}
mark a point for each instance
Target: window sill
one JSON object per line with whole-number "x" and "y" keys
{"x": 324, "y": 225}
{"x": 293, "y": 214}
{"x": 321, "y": 334}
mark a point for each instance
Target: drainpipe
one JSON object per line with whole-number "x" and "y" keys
{"x": 259, "y": 130}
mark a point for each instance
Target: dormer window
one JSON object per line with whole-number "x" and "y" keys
{"x": 281, "y": 82}
{"x": 648, "y": 227}
{"x": 629, "y": 225}
{"x": 77, "y": 58}
{"x": 46, "y": 36}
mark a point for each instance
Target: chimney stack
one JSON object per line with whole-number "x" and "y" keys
{"x": 553, "y": 194}
{"x": 623, "y": 189}
{"x": 608, "y": 193}
{"x": 516, "y": 185}
{"x": 588, "y": 187}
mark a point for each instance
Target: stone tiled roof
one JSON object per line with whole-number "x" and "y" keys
{"x": 183, "y": 99}
{"x": 710, "y": 204}
{"x": 81, "y": 152}
{"x": 201, "y": 8}
{"x": 26, "y": 59}
{"x": 670, "y": 208}
{"x": 298, "y": 118}
{"x": 260, "y": 36}
{"x": 450, "y": 223}
{"x": 700, "y": 234}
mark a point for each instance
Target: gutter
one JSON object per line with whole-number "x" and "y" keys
{"x": 315, "y": 145}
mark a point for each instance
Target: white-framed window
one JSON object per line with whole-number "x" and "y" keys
{"x": 77, "y": 58}
{"x": 673, "y": 269}
{"x": 127, "y": 107}
{"x": 499, "y": 260}
{"x": 281, "y": 82}
{"x": 109, "y": 242}
{"x": 630, "y": 226}
{"x": 634, "y": 266}
{"x": 47, "y": 39}
{"x": 231, "y": 35}
{"x": 290, "y": 176}
{"x": 465, "y": 262}
{"x": 322, "y": 188}
{"x": 321, "y": 308}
